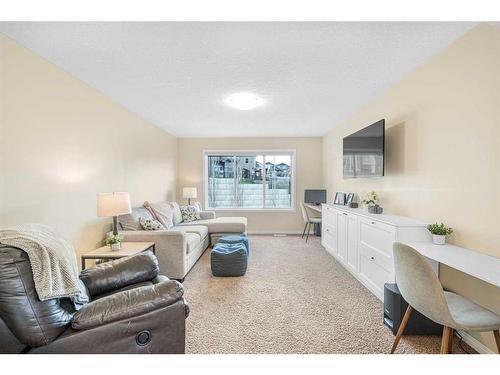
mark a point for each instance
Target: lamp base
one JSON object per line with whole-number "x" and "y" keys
{"x": 115, "y": 225}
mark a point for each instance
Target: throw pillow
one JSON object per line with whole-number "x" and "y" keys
{"x": 131, "y": 221}
{"x": 190, "y": 213}
{"x": 150, "y": 224}
{"x": 161, "y": 212}
{"x": 176, "y": 213}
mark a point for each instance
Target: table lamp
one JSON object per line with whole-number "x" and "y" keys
{"x": 112, "y": 205}
{"x": 189, "y": 192}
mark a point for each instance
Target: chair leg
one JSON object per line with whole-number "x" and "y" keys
{"x": 445, "y": 340}
{"x": 401, "y": 329}
{"x": 450, "y": 341}
{"x": 497, "y": 339}
{"x": 308, "y": 230}
{"x": 304, "y": 232}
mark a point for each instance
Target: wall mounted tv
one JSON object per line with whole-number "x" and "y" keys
{"x": 364, "y": 152}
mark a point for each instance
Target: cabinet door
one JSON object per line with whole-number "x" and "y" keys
{"x": 342, "y": 236}
{"x": 352, "y": 242}
{"x": 329, "y": 231}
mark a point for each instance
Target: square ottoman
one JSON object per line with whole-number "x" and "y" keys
{"x": 229, "y": 259}
{"x": 235, "y": 238}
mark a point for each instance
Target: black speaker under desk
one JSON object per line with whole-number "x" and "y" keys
{"x": 394, "y": 310}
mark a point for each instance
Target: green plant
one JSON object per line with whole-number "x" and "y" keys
{"x": 439, "y": 229}
{"x": 112, "y": 239}
{"x": 371, "y": 199}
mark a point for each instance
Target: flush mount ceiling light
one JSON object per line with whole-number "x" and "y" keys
{"x": 244, "y": 101}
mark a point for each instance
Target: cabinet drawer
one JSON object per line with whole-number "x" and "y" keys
{"x": 328, "y": 216}
{"x": 377, "y": 235}
{"x": 329, "y": 238}
{"x": 373, "y": 273}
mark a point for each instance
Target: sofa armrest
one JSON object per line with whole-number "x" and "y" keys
{"x": 170, "y": 249}
{"x": 116, "y": 274}
{"x": 127, "y": 304}
{"x": 205, "y": 215}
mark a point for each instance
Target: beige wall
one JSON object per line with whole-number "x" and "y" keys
{"x": 308, "y": 171}
{"x": 62, "y": 142}
{"x": 442, "y": 149}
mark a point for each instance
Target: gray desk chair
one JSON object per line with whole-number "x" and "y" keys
{"x": 308, "y": 220}
{"x": 421, "y": 288}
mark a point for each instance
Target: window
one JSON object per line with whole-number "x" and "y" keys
{"x": 250, "y": 180}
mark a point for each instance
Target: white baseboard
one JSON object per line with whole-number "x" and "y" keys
{"x": 288, "y": 232}
{"x": 475, "y": 343}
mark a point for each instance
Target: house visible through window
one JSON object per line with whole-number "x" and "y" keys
{"x": 249, "y": 180}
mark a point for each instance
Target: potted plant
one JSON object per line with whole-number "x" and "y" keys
{"x": 439, "y": 233}
{"x": 371, "y": 201}
{"x": 114, "y": 241}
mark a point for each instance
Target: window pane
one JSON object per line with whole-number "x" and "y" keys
{"x": 278, "y": 181}
{"x": 249, "y": 190}
{"x": 220, "y": 181}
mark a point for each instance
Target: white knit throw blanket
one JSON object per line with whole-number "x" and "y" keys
{"x": 53, "y": 261}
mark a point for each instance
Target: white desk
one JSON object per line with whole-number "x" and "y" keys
{"x": 314, "y": 207}
{"x": 479, "y": 265}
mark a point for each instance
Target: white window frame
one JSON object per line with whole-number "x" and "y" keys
{"x": 252, "y": 152}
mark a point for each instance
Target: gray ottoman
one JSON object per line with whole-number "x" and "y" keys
{"x": 229, "y": 259}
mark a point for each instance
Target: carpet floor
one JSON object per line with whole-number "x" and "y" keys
{"x": 294, "y": 298}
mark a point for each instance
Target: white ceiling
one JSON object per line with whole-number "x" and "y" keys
{"x": 177, "y": 75}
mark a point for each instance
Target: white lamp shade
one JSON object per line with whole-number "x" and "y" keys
{"x": 113, "y": 204}
{"x": 189, "y": 192}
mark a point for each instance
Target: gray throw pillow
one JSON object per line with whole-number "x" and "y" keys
{"x": 190, "y": 213}
{"x": 131, "y": 221}
{"x": 150, "y": 224}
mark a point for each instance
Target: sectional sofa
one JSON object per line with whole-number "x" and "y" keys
{"x": 182, "y": 243}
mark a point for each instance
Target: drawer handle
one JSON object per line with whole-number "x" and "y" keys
{"x": 373, "y": 223}
{"x": 344, "y": 213}
{"x": 372, "y": 258}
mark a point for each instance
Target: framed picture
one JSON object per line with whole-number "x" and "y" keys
{"x": 339, "y": 198}
{"x": 350, "y": 198}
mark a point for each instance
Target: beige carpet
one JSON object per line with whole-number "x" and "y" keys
{"x": 295, "y": 298}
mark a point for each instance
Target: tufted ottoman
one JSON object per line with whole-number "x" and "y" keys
{"x": 235, "y": 238}
{"x": 229, "y": 259}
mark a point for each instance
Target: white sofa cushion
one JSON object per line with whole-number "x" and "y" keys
{"x": 221, "y": 224}
{"x": 200, "y": 230}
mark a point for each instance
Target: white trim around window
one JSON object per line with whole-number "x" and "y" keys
{"x": 252, "y": 152}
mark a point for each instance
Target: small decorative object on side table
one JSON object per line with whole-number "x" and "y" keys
{"x": 371, "y": 200}
{"x": 127, "y": 249}
{"x": 439, "y": 233}
{"x": 114, "y": 241}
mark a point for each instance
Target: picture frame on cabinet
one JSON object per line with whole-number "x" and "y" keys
{"x": 339, "y": 198}
{"x": 350, "y": 198}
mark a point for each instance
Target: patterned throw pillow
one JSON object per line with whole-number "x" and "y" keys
{"x": 190, "y": 213}
{"x": 150, "y": 224}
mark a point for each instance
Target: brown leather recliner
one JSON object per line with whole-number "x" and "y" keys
{"x": 133, "y": 309}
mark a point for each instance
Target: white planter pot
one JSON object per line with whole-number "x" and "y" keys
{"x": 115, "y": 246}
{"x": 438, "y": 239}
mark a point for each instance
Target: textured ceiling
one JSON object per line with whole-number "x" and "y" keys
{"x": 177, "y": 75}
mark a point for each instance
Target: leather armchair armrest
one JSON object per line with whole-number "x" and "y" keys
{"x": 127, "y": 304}
{"x": 206, "y": 215}
{"x": 109, "y": 276}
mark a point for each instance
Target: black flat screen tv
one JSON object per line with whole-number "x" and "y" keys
{"x": 364, "y": 152}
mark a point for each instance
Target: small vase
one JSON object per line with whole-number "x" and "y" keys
{"x": 375, "y": 209}
{"x": 438, "y": 239}
{"x": 115, "y": 246}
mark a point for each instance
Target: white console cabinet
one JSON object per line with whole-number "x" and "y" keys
{"x": 362, "y": 242}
